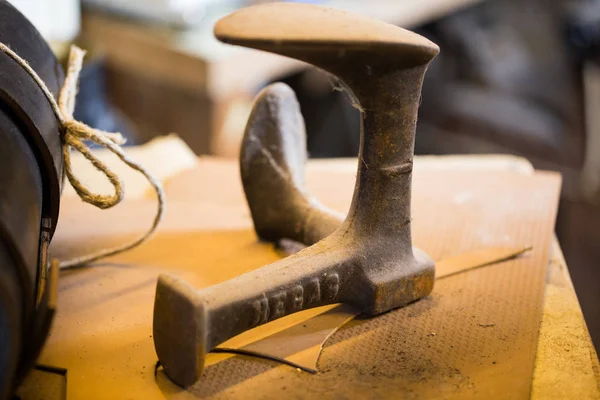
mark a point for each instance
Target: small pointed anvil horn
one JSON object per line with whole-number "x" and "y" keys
{"x": 369, "y": 261}
{"x": 272, "y": 158}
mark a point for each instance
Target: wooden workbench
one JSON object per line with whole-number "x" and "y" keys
{"x": 207, "y": 213}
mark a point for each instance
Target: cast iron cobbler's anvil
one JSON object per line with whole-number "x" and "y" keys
{"x": 368, "y": 261}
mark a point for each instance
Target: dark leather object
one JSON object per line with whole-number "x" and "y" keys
{"x": 30, "y": 184}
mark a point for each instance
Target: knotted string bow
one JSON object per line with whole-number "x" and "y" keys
{"x": 73, "y": 134}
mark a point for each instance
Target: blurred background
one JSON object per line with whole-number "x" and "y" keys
{"x": 515, "y": 77}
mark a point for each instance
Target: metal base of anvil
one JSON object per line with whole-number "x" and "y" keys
{"x": 188, "y": 322}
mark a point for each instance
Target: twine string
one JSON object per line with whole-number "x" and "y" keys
{"x": 73, "y": 135}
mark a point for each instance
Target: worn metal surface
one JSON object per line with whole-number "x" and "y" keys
{"x": 369, "y": 261}
{"x": 272, "y": 158}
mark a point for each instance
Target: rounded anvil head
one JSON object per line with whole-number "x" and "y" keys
{"x": 286, "y": 28}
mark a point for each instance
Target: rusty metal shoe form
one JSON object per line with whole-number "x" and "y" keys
{"x": 368, "y": 262}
